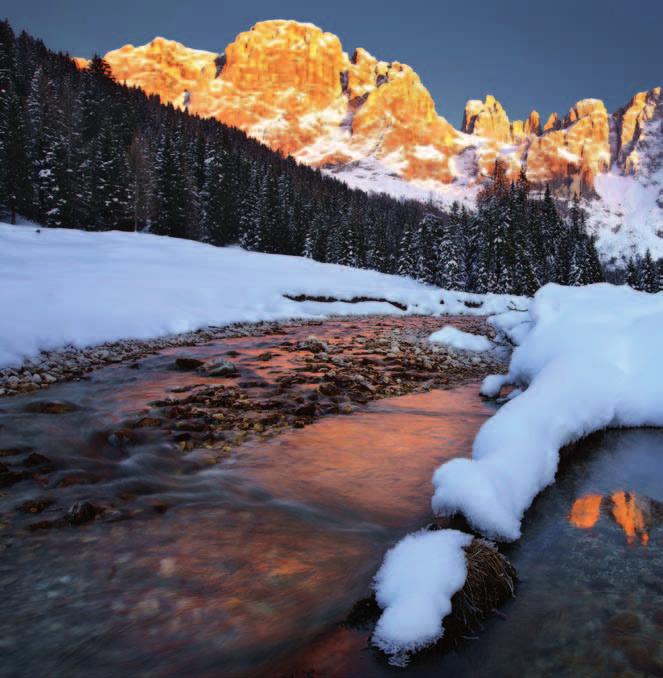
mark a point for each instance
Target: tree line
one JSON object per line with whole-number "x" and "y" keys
{"x": 79, "y": 150}
{"x": 644, "y": 273}
{"x": 511, "y": 243}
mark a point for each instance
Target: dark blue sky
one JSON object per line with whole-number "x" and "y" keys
{"x": 545, "y": 55}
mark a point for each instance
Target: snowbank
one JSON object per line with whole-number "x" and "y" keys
{"x": 414, "y": 586}
{"x": 589, "y": 362}
{"x": 62, "y": 286}
{"x": 588, "y": 359}
{"x": 463, "y": 341}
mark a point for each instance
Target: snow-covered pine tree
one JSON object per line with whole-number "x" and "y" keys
{"x": 110, "y": 207}
{"x": 426, "y": 245}
{"x": 450, "y": 274}
{"x": 407, "y": 261}
{"x": 15, "y": 168}
{"x": 140, "y": 178}
{"x": 649, "y": 277}
{"x": 213, "y": 196}
{"x": 632, "y": 273}
{"x": 170, "y": 195}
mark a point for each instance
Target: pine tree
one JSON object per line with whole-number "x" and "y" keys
{"x": 649, "y": 277}
{"x": 170, "y": 197}
{"x": 407, "y": 261}
{"x": 450, "y": 274}
{"x": 213, "y": 203}
{"x": 140, "y": 178}
{"x": 110, "y": 206}
{"x": 426, "y": 246}
{"x": 15, "y": 166}
{"x": 632, "y": 273}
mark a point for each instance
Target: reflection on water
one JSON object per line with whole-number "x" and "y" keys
{"x": 586, "y": 511}
{"x": 209, "y": 572}
{"x": 590, "y": 600}
{"x": 248, "y": 568}
{"x": 630, "y": 512}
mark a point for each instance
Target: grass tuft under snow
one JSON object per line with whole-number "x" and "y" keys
{"x": 414, "y": 586}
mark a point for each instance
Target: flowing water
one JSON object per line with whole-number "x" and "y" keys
{"x": 250, "y": 566}
{"x": 223, "y": 570}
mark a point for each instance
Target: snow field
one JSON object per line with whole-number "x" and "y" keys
{"x": 65, "y": 287}
{"x": 463, "y": 341}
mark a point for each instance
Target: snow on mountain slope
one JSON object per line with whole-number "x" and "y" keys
{"x": 63, "y": 286}
{"x": 628, "y": 216}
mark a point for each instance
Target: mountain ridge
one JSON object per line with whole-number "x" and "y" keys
{"x": 293, "y": 87}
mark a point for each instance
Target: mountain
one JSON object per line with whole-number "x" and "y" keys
{"x": 374, "y": 125}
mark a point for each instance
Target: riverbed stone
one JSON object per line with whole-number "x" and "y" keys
{"x": 218, "y": 368}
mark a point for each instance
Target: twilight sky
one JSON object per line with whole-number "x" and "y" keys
{"x": 545, "y": 55}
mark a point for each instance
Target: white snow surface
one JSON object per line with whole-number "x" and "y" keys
{"x": 463, "y": 341}
{"x": 67, "y": 287}
{"x": 587, "y": 359}
{"x": 414, "y": 586}
{"x": 589, "y": 362}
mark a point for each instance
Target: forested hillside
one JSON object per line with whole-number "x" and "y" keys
{"x": 79, "y": 150}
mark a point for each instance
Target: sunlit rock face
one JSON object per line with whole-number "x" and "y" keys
{"x": 487, "y": 119}
{"x": 577, "y": 151}
{"x": 293, "y": 87}
{"x": 637, "y": 129}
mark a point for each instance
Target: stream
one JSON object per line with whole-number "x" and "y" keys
{"x": 249, "y": 567}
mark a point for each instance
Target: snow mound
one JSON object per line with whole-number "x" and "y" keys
{"x": 414, "y": 586}
{"x": 63, "y": 286}
{"x": 589, "y": 362}
{"x": 463, "y": 341}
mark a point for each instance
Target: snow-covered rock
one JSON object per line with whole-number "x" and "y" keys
{"x": 462, "y": 341}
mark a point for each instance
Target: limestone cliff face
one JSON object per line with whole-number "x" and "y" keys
{"x": 293, "y": 87}
{"x": 574, "y": 151}
{"x": 634, "y": 122}
{"x": 487, "y": 119}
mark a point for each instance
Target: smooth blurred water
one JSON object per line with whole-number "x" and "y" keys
{"x": 250, "y": 567}
{"x": 227, "y": 570}
{"x": 590, "y": 600}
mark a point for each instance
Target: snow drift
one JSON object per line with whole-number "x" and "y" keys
{"x": 588, "y": 360}
{"x": 463, "y": 341}
{"x": 63, "y": 286}
{"x": 415, "y": 584}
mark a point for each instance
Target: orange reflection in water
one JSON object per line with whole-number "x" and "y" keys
{"x": 627, "y": 511}
{"x": 586, "y": 511}
{"x": 629, "y": 516}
